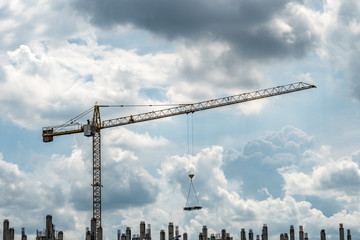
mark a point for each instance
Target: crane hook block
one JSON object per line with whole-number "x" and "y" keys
{"x": 89, "y": 130}
{"x": 191, "y": 175}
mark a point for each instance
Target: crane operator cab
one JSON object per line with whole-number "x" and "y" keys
{"x": 89, "y": 129}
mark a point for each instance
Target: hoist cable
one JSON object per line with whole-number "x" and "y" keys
{"x": 188, "y": 195}
{"x": 195, "y": 192}
{"x": 190, "y": 130}
{"x": 192, "y": 133}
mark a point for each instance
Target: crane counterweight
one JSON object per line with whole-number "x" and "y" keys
{"x": 47, "y": 137}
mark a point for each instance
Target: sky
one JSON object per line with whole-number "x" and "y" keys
{"x": 285, "y": 160}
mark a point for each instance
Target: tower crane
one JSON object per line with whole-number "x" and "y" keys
{"x": 93, "y": 128}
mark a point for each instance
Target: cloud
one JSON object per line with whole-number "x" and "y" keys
{"x": 225, "y": 202}
{"x": 32, "y": 194}
{"x": 54, "y": 77}
{"x": 340, "y": 39}
{"x": 208, "y": 67}
{"x": 52, "y": 84}
{"x": 61, "y": 186}
{"x": 127, "y": 184}
{"x": 283, "y": 147}
{"x": 257, "y": 166}
{"x": 286, "y": 30}
{"x": 15, "y": 188}
{"x": 256, "y": 29}
{"x": 129, "y": 139}
{"x": 24, "y": 21}
{"x": 335, "y": 179}
{"x": 46, "y": 84}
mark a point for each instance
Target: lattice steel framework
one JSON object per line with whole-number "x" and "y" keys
{"x": 200, "y": 106}
{"x": 97, "y": 167}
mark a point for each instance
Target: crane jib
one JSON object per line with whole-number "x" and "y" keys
{"x": 200, "y": 106}
{"x": 88, "y": 129}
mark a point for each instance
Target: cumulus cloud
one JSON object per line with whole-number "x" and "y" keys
{"x": 23, "y": 21}
{"x": 336, "y": 179}
{"x": 289, "y": 140}
{"x": 127, "y": 185}
{"x": 340, "y": 39}
{"x": 45, "y": 84}
{"x": 123, "y": 137}
{"x": 226, "y": 204}
{"x": 15, "y": 187}
{"x": 330, "y": 185}
{"x": 53, "y": 84}
{"x": 37, "y": 193}
{"x": 209, "y": 67}
{"x": 260, "y": 159}
{"x": 61, "y": 186}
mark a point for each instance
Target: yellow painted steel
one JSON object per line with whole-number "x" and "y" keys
{"x": 97, "y": 178}
{"x": 97, "y": 167}
{"x": 62, "y": 133}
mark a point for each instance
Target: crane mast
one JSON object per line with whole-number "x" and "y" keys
{"x": 96, "y": 135}
{"x": 93, "y": 128}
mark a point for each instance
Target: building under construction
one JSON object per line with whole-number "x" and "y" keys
{"x": 48, "y": 234}
{"x": 173, "y": 233}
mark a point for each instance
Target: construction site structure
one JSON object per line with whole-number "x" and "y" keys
{"x": 341, "y": 233}
{"x": 304, "y": 236}
{"x": 224, "y": 235}
{"x": 48, "y": 234}
{"x": 93, "y": 233}
{"x": 145, "y": 233}
{"x": 8, "y": 233}
{"x": 93, "y": 128}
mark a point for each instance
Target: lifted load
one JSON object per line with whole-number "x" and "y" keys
{"x": 196, "y": 207}
{"x": 192, "y": 208}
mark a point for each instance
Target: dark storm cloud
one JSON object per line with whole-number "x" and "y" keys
{"x": 245, "y": 24}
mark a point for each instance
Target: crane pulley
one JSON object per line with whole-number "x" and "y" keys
{"x": 93, "y": 128}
